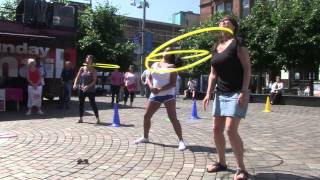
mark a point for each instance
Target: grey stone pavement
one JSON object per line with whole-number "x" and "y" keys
{"x": 283, "y": 144}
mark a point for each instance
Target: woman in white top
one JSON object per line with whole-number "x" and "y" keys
{"x": 162, "y": 86}
{"x": 276, "y": 91}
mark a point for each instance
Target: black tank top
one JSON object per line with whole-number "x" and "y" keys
{"x": 228, "y": 68}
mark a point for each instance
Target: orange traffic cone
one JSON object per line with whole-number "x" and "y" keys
{"x": 267, "y": 107}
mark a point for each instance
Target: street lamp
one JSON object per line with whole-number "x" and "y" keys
{"x": 143, "y": 4}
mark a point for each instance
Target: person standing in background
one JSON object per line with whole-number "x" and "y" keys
{"x": 116, "y": 81}
{"x": 191, "y": 89}
{"x": 144, "y": 78}
{"x": 34, "y": 87}
{"x": 67, "y": 76}
{"x": 276, "y": 91}
{"x": 130, "y": 83}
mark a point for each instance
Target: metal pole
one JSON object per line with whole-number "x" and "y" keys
{"x": 142, "y": 41}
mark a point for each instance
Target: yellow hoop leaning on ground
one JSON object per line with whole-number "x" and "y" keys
{"x": 197, "y": 53}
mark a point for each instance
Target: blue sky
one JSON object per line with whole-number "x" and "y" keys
{"x": 159, "y": 10}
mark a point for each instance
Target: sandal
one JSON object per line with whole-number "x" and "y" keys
{"x": 216, "y": 167}
{"x": 239, "y": 172}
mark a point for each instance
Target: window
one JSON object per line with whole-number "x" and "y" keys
{"x": 245, "y": 8}
{"x": 228, "y": 7}
{"x": 220, "y": 8}
{"x": 224, "y": 7}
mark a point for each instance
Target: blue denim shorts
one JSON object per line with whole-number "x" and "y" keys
{"x": 225, "y": 104}
{"x": 162, "y": 99}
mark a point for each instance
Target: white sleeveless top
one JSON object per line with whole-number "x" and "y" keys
{"x": 161, "y": 79}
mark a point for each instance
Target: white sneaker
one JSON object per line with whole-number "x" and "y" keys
{"x": 141, "y": 140}
{"x": 40, "y": 112}
{"x": 28, "y": 112}
{"x": 182, "y": 146}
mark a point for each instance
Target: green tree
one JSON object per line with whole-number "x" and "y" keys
{"x": 101, "y": 34}
{"x": 296, "y": 34}
{"x": 283, "y": 35}
{"x": 8, "y": 10}
{"x": 258, "y": 32}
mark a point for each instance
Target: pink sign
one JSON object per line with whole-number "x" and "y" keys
{"x": 14, "y": 94}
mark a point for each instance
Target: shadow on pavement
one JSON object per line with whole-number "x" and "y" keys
{"x": 193, "y": 148}
{"x": 206, "y": 149}
{"x": 51, "y": 110}
{"x": 164, "y": 145}
{"x": 283, "y": 176}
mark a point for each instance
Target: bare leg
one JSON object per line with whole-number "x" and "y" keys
{"x": 171, "y": 110}
{"x": 219, "y": 140}
{"x": 235, "y": 140}
{"x": 152, "y": 107}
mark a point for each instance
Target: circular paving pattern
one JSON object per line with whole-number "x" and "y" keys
{"x": 49, "y": 148}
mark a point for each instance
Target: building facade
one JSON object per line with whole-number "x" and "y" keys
{"x": 156, "y": 33}
{"x": 187, "y": 19}
{"x": 240, "y": 8}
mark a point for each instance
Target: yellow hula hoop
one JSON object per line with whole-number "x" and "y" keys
{"x": 198, "y": 53}
{"x": 155, "y": 53}
{"x": 101, "y": 65}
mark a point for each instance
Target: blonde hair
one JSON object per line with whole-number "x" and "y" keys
{"x": 31, "y": 61}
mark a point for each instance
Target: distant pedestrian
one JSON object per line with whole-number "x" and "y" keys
{"x": 130, "y": 83}
{"x": 144, "y": 77}
{"x": 34, "y": 87}
{"x": 306, "y": 91}
{"x": 116, "y": 82}
{"x": 276, "y": 91}
{"x": 192, "y": 84}
{"x": 87, "y": 78}
{"x": 67, "y": 76}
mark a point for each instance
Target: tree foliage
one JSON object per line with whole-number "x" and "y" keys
{"x": 8, "y": 10}
{"x": 101, "y": 34}
{"x": 283, "y": 35}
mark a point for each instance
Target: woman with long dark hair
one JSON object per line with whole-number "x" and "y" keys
{"x": 229, "y": 82}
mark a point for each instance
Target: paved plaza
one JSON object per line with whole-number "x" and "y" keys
{"x": 283, "y": 144}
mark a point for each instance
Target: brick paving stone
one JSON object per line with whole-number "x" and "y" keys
{"x": 283, "y": 144}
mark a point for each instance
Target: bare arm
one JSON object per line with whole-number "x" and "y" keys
{"x": 149, "y": 81}
{"x": 77, "y": 77}
{"x": 243, "y": 55}
{"x": 211, "y": 85}
{"x": 212, "y": 80}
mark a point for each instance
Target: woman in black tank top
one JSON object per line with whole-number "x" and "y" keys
{"x": 229, "y": 82}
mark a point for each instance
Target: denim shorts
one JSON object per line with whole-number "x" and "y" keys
{"x": 225, "y": 104}
{"x": 162, "y": 99}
